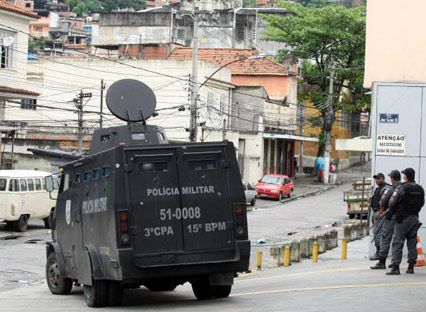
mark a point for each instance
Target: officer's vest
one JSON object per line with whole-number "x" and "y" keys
{"x": 375, "y": 200}
{"x": 412, "y": 200}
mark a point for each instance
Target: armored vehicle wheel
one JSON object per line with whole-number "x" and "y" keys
{"x": 114, "y": 294}
{"x": 22, "y": 223}
{"x": 221, "y": 291}
{"x": 253, "y": 202}
{"x": 95, "y": 295}
{"x": 57, "y": 284}
{"x": 202, "y": 290}
{"x": 160, "y": 285}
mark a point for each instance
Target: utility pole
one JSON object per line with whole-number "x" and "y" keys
{"x": 302, "y": 131}
{"x": 328, "y": 127}
{"x": 78, "y": 102}
{"x": 194, "y": 82}
{"x": 102, "y": 103}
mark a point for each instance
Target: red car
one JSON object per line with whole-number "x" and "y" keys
{"x": 274, "y": 186}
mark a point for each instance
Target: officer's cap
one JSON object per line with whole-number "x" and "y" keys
{"x": 379, "y": 176}
{"x": 395, "y": 174}
{"x": 409, "y": 173}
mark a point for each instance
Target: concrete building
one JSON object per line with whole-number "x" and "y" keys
{"x": 13, "y": 67}
{"x": 132, "y": 33}
{"x": 396, "y": 73}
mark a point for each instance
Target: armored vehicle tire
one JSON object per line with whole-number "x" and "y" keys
{"x": 160, "y": 285}
{"x": 203, "y": 291}
{"x": 253, "y": 202}
{"x": 57, "y": 284}
{"x": 22, "y": 223}
{"x": 221, "y": 291}
{"x": 95, "y": 295}
{"x": 114, "y": 294}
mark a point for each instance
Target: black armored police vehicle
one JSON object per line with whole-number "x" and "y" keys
{"x": 138, "y": 210}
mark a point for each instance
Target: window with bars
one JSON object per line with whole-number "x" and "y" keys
{"x": 29, "y": 104}
{"x": 7, "y": 43}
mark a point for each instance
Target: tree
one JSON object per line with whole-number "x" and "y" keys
{"x": 326, "y": 39}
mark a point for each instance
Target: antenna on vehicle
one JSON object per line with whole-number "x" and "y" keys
{"x": 131, "y": 100}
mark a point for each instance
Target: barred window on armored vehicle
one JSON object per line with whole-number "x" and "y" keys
{"x": 76, "y": 179}
{"x": 3, "y": 183}
{"x": 197, "y": 165}
{"x": 138, "y": 136}
{"x": 96, "y": 174}
{"x": 146, "y": 167}
{"x": 105, "y": 171}
{"x": 87, "y": 176}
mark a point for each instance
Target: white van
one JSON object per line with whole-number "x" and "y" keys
{"x": 23, "y": 196}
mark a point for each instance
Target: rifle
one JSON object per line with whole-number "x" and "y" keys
{"x": 380, "y": 222}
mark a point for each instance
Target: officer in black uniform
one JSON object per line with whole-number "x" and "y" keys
{"x": 406, "y": 208}
{"x": 385, "y": 221}
{"x": 382, "y": 189}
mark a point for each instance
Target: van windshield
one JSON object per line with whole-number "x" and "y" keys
{"x": 3, "y": 184}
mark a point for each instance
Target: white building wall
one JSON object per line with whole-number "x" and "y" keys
{"x": 14, "y": 77}
{"x": 59, "y": 80}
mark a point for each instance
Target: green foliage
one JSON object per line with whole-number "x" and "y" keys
{"x": 82, "y": 7}
{"x": 249, "y": 4}
{"x": 325, "y": 38}
{"x": 35, "y": 46}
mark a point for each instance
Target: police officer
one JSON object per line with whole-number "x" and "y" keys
{"x": 386, "y": 222}
{"x": 382, "y": 189}
{"x": 406, "y": 207}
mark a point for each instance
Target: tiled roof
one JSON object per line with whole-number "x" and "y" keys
{"x": 9, "y": 90}
{"x": 7, "y": 6}
{"x": 260, "y": 66}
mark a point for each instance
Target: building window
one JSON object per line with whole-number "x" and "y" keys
{"x": 180, "y": 33}
{"x": 29, "y": 104}
{"x": 28, "y": 5}
{"x": 7, "y": 43}
{"x": 241, "y": 33}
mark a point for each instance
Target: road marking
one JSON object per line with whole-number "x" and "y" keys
{"x": 252, "y": 276}
{"x": 289, "y": 290}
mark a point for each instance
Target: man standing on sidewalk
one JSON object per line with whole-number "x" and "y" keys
{"x": 406, "y": 208}
{"x": 386, "y": 221}
{"x": 379, "y": 199}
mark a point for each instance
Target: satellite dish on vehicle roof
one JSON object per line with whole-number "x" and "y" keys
{"x": 131, "y": 100}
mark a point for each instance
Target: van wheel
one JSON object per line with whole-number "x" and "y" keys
{"x": 222, "y": 291}
{"x": 114, "y": 294}
{"x": 95, "y": 295}
{"x": 22, "y": 223}
{"x": 57, "y": 284}
{"x": 253, "y": 202}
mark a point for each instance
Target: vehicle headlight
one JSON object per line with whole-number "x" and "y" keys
{"x": 274, "y": 191}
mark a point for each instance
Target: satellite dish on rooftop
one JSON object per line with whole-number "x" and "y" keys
{"x": 131, "y": 100}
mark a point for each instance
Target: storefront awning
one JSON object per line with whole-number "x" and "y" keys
{"x": 293, "y": 137}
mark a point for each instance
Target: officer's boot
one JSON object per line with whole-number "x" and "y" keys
{"x": 376, "y": 256}
{"x": 394, "y": 271}
{"x": 381, "y": 265}
{"x": 410, "y": 269}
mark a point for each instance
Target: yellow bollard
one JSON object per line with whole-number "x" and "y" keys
{"x": 344, "y": 249}
{"x": 287, "y": 257}
{"x": 259, "y": 260}
{"x": 315, "y": 252}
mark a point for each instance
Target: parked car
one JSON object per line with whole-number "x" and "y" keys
{"x": 275, "y": 186}
{"x": 250, "y": 192}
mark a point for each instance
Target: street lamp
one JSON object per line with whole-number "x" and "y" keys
{"x": 193, "y": 124}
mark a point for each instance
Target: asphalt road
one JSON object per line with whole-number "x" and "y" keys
{"x": 330, "y": 285}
